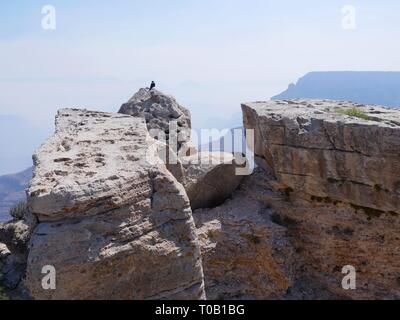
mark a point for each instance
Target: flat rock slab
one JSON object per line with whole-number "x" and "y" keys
{"x": 331, "y": 150}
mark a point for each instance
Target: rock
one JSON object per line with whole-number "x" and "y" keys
{"x": 159, "y": 110}
{"x": 266, "y": 244}
{"x": 245, "y": 254}
{"x": 12, "y": 191}
{"x": 312, "y": 146}
{"x": 15, "y": 235}
{"x": 116, "y": 221}
{"x": 208, "y": 177}
{"x": 113, "y": 221}
{"x": 14, "y": 239}
{"x": 323, "y": 184}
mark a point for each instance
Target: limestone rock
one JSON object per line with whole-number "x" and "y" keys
{"x": 245, "y": 254}
{"x": 159, "y": 109}
{"x": 337, "y": 175}
{"x": 313, "y": 146}
{"x": 268, "y": 244}
{"x": 113, "y": 221}
{"x": 208, "y": 177}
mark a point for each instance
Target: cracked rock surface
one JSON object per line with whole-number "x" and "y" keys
{"x": 267, "y": 244}
{"x": 158, "y": 110}
{"x": 112, "y": 223}
{"x": 313, "y": 146}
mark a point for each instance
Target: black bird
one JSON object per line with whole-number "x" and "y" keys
{"x": 152, "y": 86}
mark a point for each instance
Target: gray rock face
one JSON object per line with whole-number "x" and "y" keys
{"x": 117, "y": 224}
{"x": 14, "y": 240}
{"x": 159, "y": 109}
{"x": 14, "y": 237}
{"x": 313, "y": 146}
{"x": 112, "y": 223}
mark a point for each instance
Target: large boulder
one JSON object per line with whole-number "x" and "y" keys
{"x": 208, "y": 177}
{"x": 113, "y": 222}
{"x": 329, "y": 149}
{"x": 331, "y": 171}
{"x": 160, "y": 111}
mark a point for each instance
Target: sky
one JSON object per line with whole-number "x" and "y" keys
{"x": 210, "y": 54}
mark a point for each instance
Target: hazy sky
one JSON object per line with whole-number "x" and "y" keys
{"x": 210, "y": 54}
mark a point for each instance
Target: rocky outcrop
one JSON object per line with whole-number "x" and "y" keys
{"x": 113, "y": 222}
{"x": 159, "y": 111}
{"x": 313, "y": 146}
{"x": 116, "y": 221}
{"x": 298, "y": 232}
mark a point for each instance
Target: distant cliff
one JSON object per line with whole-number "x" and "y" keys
{"x": 381, "y": 88}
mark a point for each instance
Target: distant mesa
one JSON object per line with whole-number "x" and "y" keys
{"x": 382, "y": 88}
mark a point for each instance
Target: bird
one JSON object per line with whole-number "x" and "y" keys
{"x": 152, "y": 86}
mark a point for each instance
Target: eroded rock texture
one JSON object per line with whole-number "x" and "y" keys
{"x": 245, "y": 254}
{"x": 113, "y": 221}
{"x": 159, "y": 110}
{"x": 304, "y": 214}
{"x": 268, "y": 244}
{"x": 313, "y": 147}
